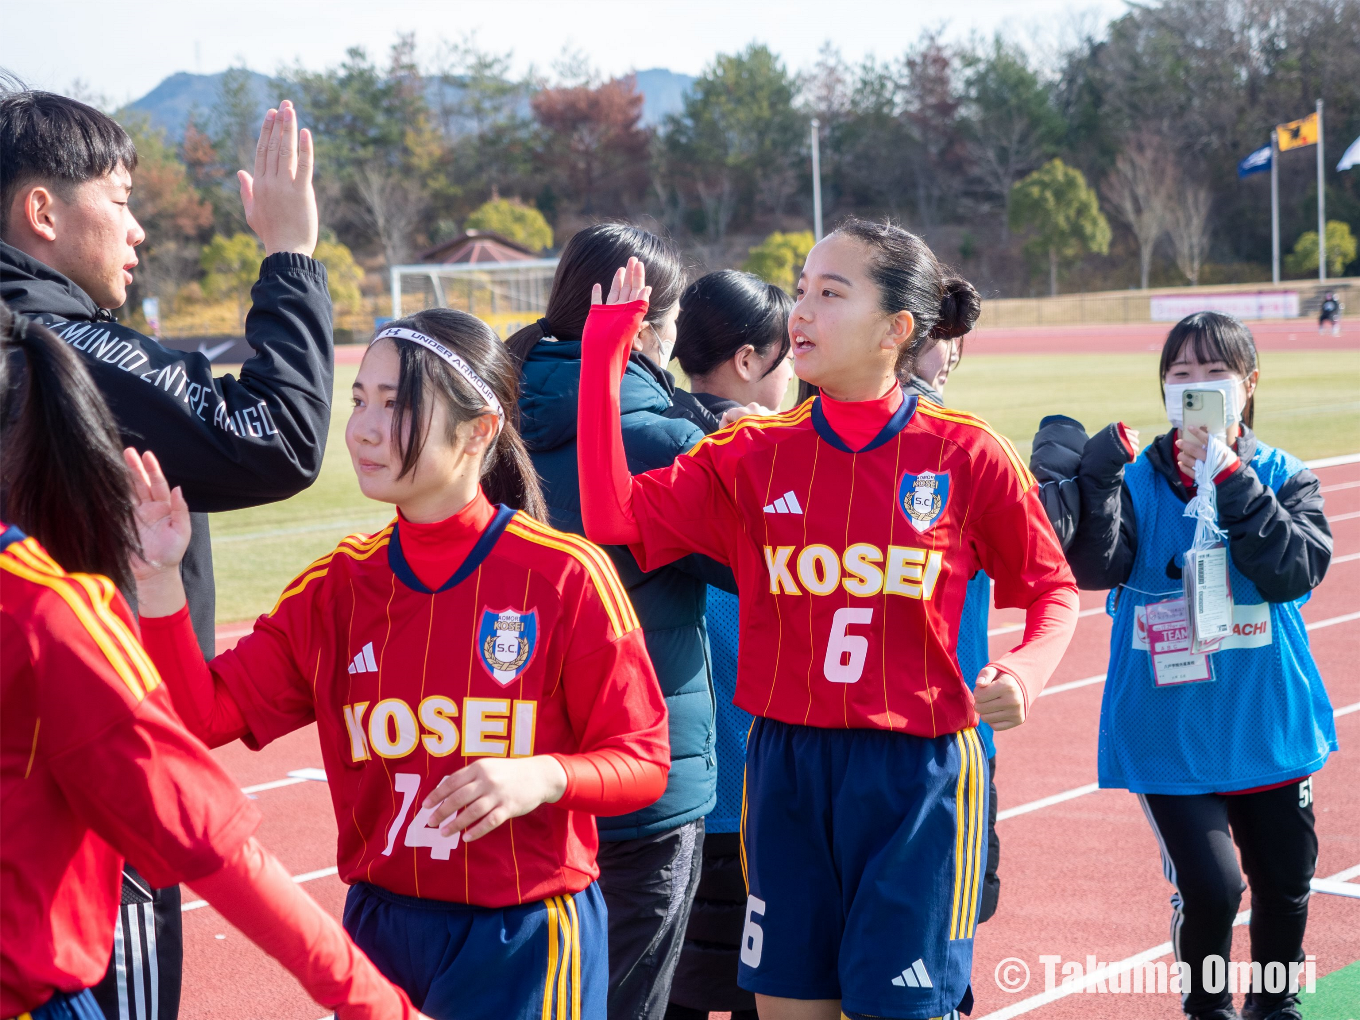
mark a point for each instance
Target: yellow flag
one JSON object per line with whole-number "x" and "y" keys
{"x": 1297, "y": 133}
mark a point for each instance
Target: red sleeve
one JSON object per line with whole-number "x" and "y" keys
{"x": 205, "y": 705}
{"x": 606, "y": 505}
{"x": 615, "y": 706}
{"x": 116, "y": 748}
{"x": 254, "y": 893}
{"x": 1015, "y": 544}
{"x": 661, "y": 515}
{"x": 264, "y": 674}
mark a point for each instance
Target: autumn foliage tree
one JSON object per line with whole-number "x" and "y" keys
{"x": 593, "y": 144}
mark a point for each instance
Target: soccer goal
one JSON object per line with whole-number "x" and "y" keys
{"x": 506, "y": 296}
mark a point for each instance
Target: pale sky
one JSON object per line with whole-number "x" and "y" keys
{"x": 122, "y": 50}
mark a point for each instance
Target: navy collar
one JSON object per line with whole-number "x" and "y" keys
{"x": 479, "y": 552}
{"x": 10, "y": 536}
{"x": 894, "y": 425}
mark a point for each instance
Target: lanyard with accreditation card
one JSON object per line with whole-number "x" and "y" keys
{"x": 1168, "y": 634}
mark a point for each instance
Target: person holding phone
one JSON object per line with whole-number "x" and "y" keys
{"x": 1227, "y": 756}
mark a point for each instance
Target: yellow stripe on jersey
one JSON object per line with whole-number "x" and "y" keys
{"x": 963, "y": 418}
{"x": 597, "y": 564}
{"x": 783, "y": 419}
{"x": 356, "y": 547}
{"x": 26, "y": 560}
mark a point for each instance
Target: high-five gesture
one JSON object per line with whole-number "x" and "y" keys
{"x": 630, "y": 284}
{"x": 279, "y": 201}
{"x": 163, "y": 527}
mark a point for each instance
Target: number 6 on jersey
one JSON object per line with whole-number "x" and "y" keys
{"x": 846, "y": 652}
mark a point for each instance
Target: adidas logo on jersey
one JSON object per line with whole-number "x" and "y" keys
{"x": 914, "y": 976}
{"x": 363, "y": 662}
{"x": 785, "y": 504}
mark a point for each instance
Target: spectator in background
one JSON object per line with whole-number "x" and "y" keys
{"x": 733, "y": 343}
{"x": 649, "y": 859}
{"x": 1330, "y": 312}
{"x": 69, "y": 248}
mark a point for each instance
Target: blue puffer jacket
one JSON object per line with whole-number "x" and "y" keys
{"x": 670, "y": 602}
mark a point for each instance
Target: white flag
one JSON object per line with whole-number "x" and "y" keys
{"x": 1352, "y": 156}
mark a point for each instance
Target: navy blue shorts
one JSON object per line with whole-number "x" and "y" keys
{"x": 67, "y": 1006}
{"x": 547, "y": 960}
{"x": 864, "y": 853}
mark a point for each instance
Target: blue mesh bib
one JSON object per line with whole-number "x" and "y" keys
{"x": 731, "y": 723}
{"x": 971, "y": 649}
{"x": 1263, "y": 718}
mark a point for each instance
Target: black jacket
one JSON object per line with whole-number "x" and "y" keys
{"x": 1054, "y": 461}
{"x": 230, "y": 442}
{"x": 1280, "y": 541}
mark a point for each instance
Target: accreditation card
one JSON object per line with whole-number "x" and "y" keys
{"x": 1168, "y": 633}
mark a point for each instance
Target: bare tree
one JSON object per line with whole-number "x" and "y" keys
{"x": 391, "y": 203}
{"x": 1141, "y": 188}
{"x": 1189, "y": 229}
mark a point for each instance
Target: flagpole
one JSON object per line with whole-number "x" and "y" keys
{"x": 1274, "y": 208}
{"x": 816, "y": 183}
{"x": 1322, "y": 204}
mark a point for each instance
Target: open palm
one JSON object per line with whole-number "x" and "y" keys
{"x": 162, "y": 516}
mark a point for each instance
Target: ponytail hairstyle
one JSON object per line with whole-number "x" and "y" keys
{"x": 62, "y": 476}
{"x": 723, "y": 312}
{"x": 1212, "y": 336}
{"x": 911, "y": 279}
{"x": 508, "y": 475}
{"x": 592, "y": 256}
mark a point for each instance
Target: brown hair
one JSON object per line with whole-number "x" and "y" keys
{"x": 62, "y": 476}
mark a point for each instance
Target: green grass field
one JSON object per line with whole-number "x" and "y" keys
{"x": 1309, "y": 403}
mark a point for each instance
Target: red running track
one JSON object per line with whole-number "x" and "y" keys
{"x": 1078, "y": 877}
{"x": 1270, "y": 335}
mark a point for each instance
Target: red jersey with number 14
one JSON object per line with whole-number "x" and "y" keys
{"x": 853, "y": 566}
{"x": 531, "y": 647}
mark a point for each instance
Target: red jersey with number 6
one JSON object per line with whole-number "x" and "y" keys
{"x": 853, "y": 566}
{"x": 531, "y": 647}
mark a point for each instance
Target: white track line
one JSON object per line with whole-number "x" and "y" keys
{"x": 1326, "y": 462}
{"x": 1082, "y": 791}
{"x": 1011, "y": 628}
{"x": 1344, "y": 517}
{"x": 1340, "y": 485}
{"x": 1332, "y": 621}
{"x": 1110, "y": 970}
{"x": 294, "y": 777}
{"x": 306, "y": 876}
{"x": 1072, "y": 685}
{"x": 1346, "y": 559}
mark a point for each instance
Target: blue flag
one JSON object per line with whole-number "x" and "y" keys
{"x": 1256, "y": 163}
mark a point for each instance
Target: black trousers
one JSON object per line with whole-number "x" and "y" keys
{"x": 991, "y": 884}
{"x": 1274, "y": 832}
{"x": 147, "y": 965}
{"x": 706, "y": 976}
{"x": 648, "y": 886}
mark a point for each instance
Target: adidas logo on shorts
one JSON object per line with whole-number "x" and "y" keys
{"x": 914, "y": 976}
{"x": 364, "y": 662}
{"x": 785, "y": 504}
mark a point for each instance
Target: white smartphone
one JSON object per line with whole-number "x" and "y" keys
{"x": 1204, "y": 409}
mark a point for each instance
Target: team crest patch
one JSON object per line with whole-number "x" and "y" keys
{"x": 922, "y": 498}
{"x": 507, "y": 640}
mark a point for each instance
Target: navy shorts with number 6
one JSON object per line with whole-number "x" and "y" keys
{"x": 864, "y": 852}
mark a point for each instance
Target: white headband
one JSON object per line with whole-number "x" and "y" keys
{"x": 458, "y": 364}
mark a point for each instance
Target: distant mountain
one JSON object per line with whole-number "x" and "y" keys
{"x": 169, "y": 104}
{"x": 663, "y": 92}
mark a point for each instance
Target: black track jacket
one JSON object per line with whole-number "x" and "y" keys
{"x": 230, "y": 442}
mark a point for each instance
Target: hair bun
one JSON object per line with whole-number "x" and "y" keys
{"x": 959, "y": 309}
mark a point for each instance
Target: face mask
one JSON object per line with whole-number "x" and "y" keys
{"x": 1232, "y": 398}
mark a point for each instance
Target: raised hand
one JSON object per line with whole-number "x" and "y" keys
{"x": 279, "y": 201}
{"x": 630, "y": 284}
{"x": 163, "y": 527}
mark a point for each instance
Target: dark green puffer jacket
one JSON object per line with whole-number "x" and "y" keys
{"x": 670, "y": 602}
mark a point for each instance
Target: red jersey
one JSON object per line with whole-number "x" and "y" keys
{"x": 531, "y": 647}
{"x": 92, "y": 757}
{"x": 852, "y": 567}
